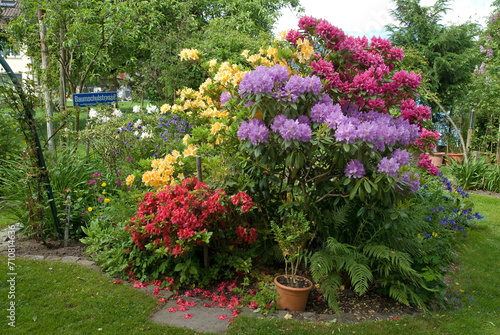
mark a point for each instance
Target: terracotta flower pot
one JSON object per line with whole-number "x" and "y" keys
{"x": 294, "y": 299}
{"x": 457, "y": 156}
{"x": 437, "y": 158}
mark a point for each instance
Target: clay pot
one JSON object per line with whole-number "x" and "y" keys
{"x": 457, "y": 156}
{"x": 293, "y": 299}
{"x": 437, "y": 158}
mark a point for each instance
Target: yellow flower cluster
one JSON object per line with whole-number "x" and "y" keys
{"x": 216, "y": 127}
{"x": 229, "y": 74}
{"x": 189, "y": 54}
{"x": 190, "y": 151}
{"x": 267, "y": 57}
{"x": 165, "y": 108}
{"x": 162, "y": 173}
{"x": 130, "y": 180}
{"x": 305, "y": 51}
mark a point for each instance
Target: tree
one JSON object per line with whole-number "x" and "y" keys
{"x": 484, "y": 94}
{"x": 449, "y": 54}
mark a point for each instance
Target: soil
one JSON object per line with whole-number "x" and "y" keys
{"x": 299, "y": 282}
{"x": 26, "y": 246}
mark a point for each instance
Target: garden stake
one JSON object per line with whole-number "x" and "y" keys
{"x": 200, "y": 179}
{"x": 28, "y": 113}
{"x": 66, "y": 227}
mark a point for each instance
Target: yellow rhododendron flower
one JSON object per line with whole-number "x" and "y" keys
{"x": 106, "y": 200}
{"x": 306, "y": 50}
{"x": 180, "y": 176}
{"x": 282, "y": 35}
{"x": 185, "y": 139}
{"x": 212, "y": 63}
{"x": 189, "y": 54}
{"x": 129, "y": 180}
{"x": 216, "y": 127}
{"x": 165, "y": 108}
{"x": 103, "y": 184}
{"x": 245, "y": 53}
{"x": 190, "y": 151}
{"x": 175, "y": 154}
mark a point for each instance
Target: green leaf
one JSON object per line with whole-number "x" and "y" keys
{"x": 367, "y": 186}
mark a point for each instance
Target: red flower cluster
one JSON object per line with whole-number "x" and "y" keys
{"x": 182, "y": 216}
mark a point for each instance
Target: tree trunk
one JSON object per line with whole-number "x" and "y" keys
{"x": 49, "y": 112}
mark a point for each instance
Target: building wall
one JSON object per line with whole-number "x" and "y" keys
{"x": 19, "y": 63}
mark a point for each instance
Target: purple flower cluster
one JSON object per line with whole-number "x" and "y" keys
{"x": 389, "y": 166}
{"x": 255, "y": 130}
{"x": 262, "y": 80}
{"x": 325, "y": 112}
{"x": 298, "y": 85}
{"x": 225, "y": 97}
{"x": 414, "y": 183}
{"x": 401, "y": 156}
{"x": 354, "y": 169}
{"x": 377, "y": 128}
{"x": 292, "y": 129}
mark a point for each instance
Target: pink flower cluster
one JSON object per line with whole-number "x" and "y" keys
{"x": 425, "y": 162}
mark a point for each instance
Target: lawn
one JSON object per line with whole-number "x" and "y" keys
{"x": 54, "y": 297}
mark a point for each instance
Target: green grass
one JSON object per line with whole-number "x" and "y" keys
{"x": 75, "y": 300}
{"x": 60, "y": 298}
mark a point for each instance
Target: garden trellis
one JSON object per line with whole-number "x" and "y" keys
{"x": 30, "y": 121}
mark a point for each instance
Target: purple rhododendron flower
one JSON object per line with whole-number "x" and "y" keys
{"x": 354, "y": 169}
{"x": 225, "y": 97}
{"x": 401, "y": 156}
{"x": 255, "y": 130}
{"x": 292, "y": 129}
{"x": 389, "y": 166}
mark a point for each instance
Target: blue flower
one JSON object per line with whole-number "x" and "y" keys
{"x": 426, "y": 186}
{"x": 479, "y": 217}
{"x": 433, "y": 209}
{"x": 444, "y": 220}
{"x": 137, "y": 137}
{"x": 429, "y": 218}
{"x": 465, "y": 211}
{"x": 427, "y": 235}
{"x": 455, "y": 210}
{"x": 139, "y": 127}
{"x": 441, "y": 208}
{"x": 440, "y": 174}
{"x": 155, "y": 155}
{"x": 157, "y": 146}
{"x": 465, "y": 235}
{"x": 461, "y": 228}
{"x": 118, "y": 131}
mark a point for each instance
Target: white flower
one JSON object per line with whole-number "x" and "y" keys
{"x": 152, "y": 109}
{"x": 93, "y": 113}
{"x": 136, "y": 109}
{"x": 105, "y": 119}
{"x": 136, "y": 133}
{"x": 117, "y": 113}
{"x": 137, "y": 123}
{"x": 66, "y": 130}
{"x": 145, "y": 135}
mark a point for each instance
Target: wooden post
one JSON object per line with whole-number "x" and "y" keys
{"x": 200, "y": 179}
{"x": 470, "y": 132}
{"x": 87, "y": 145}
{"x": 66, "y": 227}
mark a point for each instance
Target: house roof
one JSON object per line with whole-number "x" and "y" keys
{"x": 10, "y": 9}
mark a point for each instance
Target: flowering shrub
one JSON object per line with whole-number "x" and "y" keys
{"x": 173, "y": 222}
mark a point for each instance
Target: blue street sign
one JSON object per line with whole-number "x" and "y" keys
{"x": 91, "y": 99}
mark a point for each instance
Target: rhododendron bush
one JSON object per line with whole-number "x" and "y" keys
{"x": 176, "y": 221}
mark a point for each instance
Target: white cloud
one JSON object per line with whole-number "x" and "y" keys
{"x": 368, "y": 17}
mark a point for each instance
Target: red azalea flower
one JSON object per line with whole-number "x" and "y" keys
{"x": 162, "y": 300}
{"x": 188, "y": 316}
{"x": 118, "y": 281}
{"x": 222, "y": 317}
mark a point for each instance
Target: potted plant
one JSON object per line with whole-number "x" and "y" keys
{"x": 291, "y": 236}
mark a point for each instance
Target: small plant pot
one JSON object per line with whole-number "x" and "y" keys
{"x": 293, "y": 299}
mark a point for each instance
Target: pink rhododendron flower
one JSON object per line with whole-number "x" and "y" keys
{"x": 253, "y": 305}
{"x": 172, "y": 309}
{"x": 118, "y": 281}
{"x": 222, "y": 317}
{"x": 162, "y": 300}
{"x": 188, "y": 316}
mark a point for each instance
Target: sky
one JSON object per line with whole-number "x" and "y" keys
{"x": 368, "y": 17}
